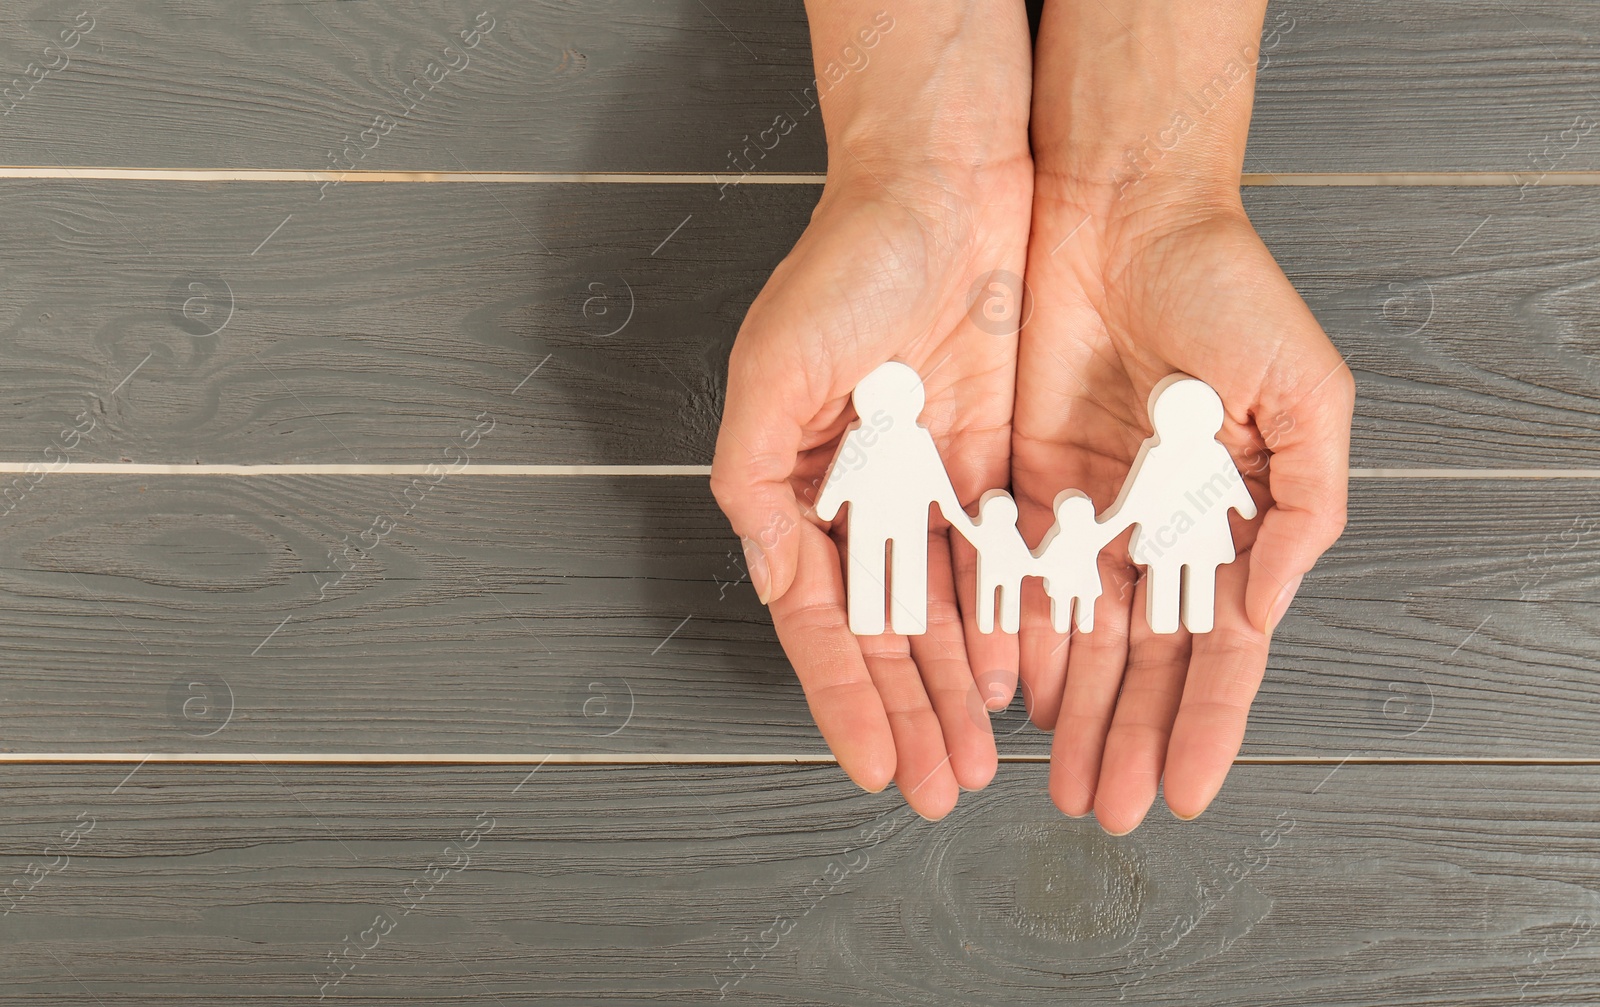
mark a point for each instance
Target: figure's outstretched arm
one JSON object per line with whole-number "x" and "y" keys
{"x": 1239, "y": 499}
{"x": 1111, "y": 526}
{"x": 1124, "y": 511}
{"x": 944, "y": 492}
{"x": 835, "y": 493}
{"x": 954, "y": 513}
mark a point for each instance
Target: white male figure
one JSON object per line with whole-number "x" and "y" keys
{"x": 1179, "y": 491}
{"x": 889, "y": 471}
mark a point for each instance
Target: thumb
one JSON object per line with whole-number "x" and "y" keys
{"x": 757, "y": 446}
{"x": 1307, "y": 429}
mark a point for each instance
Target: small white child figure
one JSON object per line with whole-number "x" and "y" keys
{"x": 1068, "y": 560}
{"x": 1003, "y": 560}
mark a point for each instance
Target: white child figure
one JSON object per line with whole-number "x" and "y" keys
{"x": 889, "y": 471}
{"x": 1179, "y": 491}
{"x": 1068, "y": 560}
{"x": 1003, "y": 560}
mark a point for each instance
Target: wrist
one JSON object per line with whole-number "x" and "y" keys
{"x": 932, "y": 94}
{"x": 1145, "y": 106}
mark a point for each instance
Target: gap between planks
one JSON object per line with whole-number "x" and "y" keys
{"x": 653, "y": 759}
{"x": 701, "y": 471}
{"x": 1253, "y": 179}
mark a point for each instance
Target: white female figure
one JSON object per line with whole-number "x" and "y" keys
{"x": 889, "y": 471}
{"x": 1179, "y": 491}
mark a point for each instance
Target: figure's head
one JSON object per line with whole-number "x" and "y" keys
{"x": 893, "y": 388}
{"x": 1185, "y": 408}
{"x": 997, "y": 506}
{"x": 1073, "y": 508}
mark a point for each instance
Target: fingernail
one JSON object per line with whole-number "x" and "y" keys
{"x": 1280, "y": 605}
{"x": 756, "y": 561}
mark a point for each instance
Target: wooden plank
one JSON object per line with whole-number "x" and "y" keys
{"x": 1465, "y": 315}
{"x": 1361, "y": 85}
{"x": 684, "y": 884}
{"x": 613, "y": 615}
{"x": 252, "y": 323}
{"x": 388, "y": 615}
{"x": 374, "y": 325}
{"x": 670, "y": 85}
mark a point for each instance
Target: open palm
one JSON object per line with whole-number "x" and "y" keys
{"x": 886, "y": 270}
{"x": 1125, "y": 296}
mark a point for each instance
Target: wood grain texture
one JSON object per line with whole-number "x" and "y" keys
{"x": 1376, "y": 886}
{"x": 675, "y": 85}
{"x": 373, "y": 325}
{"x": 614, "y": 615}
{"x": 1470, "y": 323}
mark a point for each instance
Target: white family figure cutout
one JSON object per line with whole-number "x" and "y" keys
{"x": 1177, "y": 497}
{"x": 889, "y": 471}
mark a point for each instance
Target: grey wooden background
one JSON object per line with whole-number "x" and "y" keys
{"x": 1413, "y": 819}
